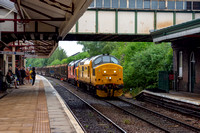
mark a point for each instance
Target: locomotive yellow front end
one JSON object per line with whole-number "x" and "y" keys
{"x": 107, "y": 77}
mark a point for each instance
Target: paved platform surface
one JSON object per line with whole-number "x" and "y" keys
{"x": 190, "y": 98}
{"x": 36, "y": 109}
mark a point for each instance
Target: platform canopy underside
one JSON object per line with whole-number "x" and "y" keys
{"x": 39, "y": 20}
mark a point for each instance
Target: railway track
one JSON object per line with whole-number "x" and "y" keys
{"x": 89, "y": 118}
{"x": 168, "y": 105}
{"x": 158, "y": 120}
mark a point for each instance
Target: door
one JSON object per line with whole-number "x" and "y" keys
{"x": 192, "y": 73}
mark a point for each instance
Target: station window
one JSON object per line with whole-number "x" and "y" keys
{"x": 179, "y": 5}
{"x": 188, "y": 5}
{"x": 92, "y": 4}
{"x": 154, "y": 4}
{"x": 131, "y": 3}
{"x": 99, "y": 3}
{"x": 107, "y": 3}
{"x": 123, "y": 3}
{"x": 196, "y": 5}
{"x": 162, "y": 4}
{"x": 171, "y": 5}
{"x": 115, "y": 4}
{"x": 146, "y": 4}
{"x": 139, "y": 4}
{"x": 180, "y": 71}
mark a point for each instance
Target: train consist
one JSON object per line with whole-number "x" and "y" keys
{"x": 101, "y": 74}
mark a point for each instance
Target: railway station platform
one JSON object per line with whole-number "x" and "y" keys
{"x": 190, "y": 100}
{"x": 36, "y": 109}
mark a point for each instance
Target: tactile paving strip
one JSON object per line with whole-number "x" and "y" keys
{"x": 41, "y": 122}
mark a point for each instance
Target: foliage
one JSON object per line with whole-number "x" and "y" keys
{"x": 96, "y": 48}
{"x": 59, "y": 54}
{"x": 55, "y": 62}
{"x": 76, "y": 57}
{"x": 143, "y": 68}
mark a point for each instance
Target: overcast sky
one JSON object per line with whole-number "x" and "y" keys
{"x": 70, "y": 47}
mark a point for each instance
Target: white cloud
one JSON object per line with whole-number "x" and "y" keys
{"x": 70, "y": 47}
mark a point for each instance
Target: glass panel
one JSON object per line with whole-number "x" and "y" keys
{"x": 107, "y": 3}
{"x": 113, "y": 60}
{"x": 179, "y": 5}
{"x": 139, "y": 4}
{"x": 106, "y": 58}
{"x": 131, "y": 3}
{"x": 196, "y": 5}
{"x": 146, "y": 4}
{"x": 115, "y": 4}
{"x": 188, "y": 5}
{"x": 123, "y": 3}
{"x": 92, "y": 4}
{"x": 97, "y": 61}
{"x": 154, "y": 4}
{"x": 99, "y": 3}
{"x": 171, "y": 5}
{"x": 161, "y": 4}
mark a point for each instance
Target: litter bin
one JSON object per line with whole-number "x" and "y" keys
{"x": 163, "y": 81}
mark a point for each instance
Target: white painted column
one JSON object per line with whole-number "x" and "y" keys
{"x": 13, "y": 60}
{"x": 25, "y": 63}
{"x": 5, "y": 58}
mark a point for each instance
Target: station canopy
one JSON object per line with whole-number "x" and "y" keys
{"x": 39, "y": 24}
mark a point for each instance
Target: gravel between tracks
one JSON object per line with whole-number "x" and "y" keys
{"x": 173, "y": 114}
{"x": 90, "y": 119}
{"x": 127, "y": 122}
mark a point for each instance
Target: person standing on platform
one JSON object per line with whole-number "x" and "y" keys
{"x": 17, "y": 72}
{"x": 33, "y": 74}
{"x": 23, "y": 75}
{"x": 31, "y": 79}
{"x": 27, "y": 75}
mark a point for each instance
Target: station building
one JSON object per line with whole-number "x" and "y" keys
{"x": 185, "y": 39}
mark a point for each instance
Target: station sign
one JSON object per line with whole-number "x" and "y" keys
{"x": 12, "y": 53}
{"x": 19, "y": 53}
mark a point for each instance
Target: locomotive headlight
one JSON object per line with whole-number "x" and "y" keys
{"x": 114, "y": 71}
{"x": 110, "y": 78}
{"x": 104, "y": 71}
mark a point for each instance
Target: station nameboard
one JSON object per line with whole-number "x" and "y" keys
{"x": 19, "y": 53}
{"x": 9, "y": 52}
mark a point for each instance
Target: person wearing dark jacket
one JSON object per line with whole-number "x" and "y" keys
{"x": 18, "y": 73}
{"x": 23, "y": 75}
{"x": 33, "y": 74}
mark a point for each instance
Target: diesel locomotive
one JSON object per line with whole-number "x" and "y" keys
{"x": 101, "y": 74}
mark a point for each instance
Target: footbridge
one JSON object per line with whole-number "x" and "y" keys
{"x": 131, "y": 20}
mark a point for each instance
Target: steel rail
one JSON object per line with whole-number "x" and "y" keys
{"x": 138, "y": 117}
{"x": 174, "y": 107}
{"x": 90, "y": 106}
{"x": 166, "y": 117}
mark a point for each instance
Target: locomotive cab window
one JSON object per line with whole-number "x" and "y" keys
{"x": 113, "y": 60}
{"x": 106, "y": 59}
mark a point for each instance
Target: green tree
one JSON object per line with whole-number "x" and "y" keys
{"x": 96, "y": 48}
{"x": 142, "y": 70}
{"x": 59, "y": 54}
{"x": 56, "y": 62}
